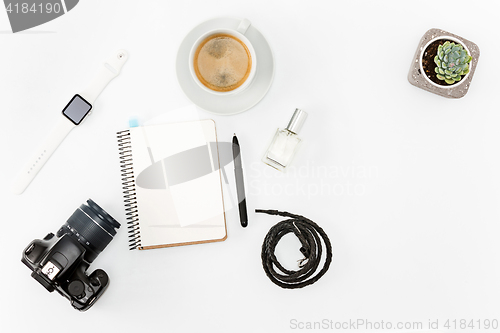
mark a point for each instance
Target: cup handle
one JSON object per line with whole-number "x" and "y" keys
{"x": 244, "y": 25}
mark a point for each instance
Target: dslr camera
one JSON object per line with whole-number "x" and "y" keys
{"x": 59, "y": 262}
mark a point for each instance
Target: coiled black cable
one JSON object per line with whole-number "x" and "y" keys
{"x": 309, "y": 234}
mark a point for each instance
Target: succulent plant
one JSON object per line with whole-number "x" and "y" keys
{"x": 452, "y": 62}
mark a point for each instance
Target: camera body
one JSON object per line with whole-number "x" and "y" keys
{"x": 59, "y": 262}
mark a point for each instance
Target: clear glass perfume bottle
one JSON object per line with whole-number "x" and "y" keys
{"x": 280, "y": 153}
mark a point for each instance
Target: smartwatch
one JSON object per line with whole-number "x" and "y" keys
{"x": 73, "y": 114}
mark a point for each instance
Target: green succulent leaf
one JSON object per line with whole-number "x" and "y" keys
{"x": 437, "y": 61}
{"x": 458, "y": 78}
{"x": 447, "y": 72}
{"x": 440, "y": 77}
{"x": 441, "y": 71}
{"x": 449, "y": 81}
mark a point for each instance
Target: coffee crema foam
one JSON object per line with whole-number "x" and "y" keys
{"x": 222, "y": 62}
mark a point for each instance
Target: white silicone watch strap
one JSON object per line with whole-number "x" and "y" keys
{"x": 44, "y": 151}
{"x": 110, "y": 69}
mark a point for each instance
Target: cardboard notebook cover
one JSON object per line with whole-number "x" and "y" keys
{"x": 172, "y": 184}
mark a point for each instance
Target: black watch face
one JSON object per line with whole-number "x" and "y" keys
{"x": 77, "y": 109}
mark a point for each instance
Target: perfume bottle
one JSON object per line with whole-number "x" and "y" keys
{"x": 285, "y": 142}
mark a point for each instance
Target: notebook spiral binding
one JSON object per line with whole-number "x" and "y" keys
{"x": 128, "y": 186}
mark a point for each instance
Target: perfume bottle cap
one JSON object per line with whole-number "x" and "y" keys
{"x": 298, "y": 119}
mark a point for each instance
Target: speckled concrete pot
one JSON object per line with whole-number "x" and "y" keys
{"x": 416, "y": 74}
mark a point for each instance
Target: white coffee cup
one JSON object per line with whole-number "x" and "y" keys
{"x": 239, "y": 33}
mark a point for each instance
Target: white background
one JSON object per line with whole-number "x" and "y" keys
{"x": 410, "y": 200}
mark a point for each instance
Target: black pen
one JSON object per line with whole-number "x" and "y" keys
{"x": 240, "y": 187}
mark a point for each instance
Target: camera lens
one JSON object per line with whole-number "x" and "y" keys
{"x": 93, "y": 228}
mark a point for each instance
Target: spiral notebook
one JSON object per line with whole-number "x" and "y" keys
{"x": 172, "y": 184}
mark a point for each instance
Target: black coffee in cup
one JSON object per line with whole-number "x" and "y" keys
{"x": 222, "y": 62}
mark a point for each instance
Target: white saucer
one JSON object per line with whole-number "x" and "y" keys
{"x": 231, "y": 104}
